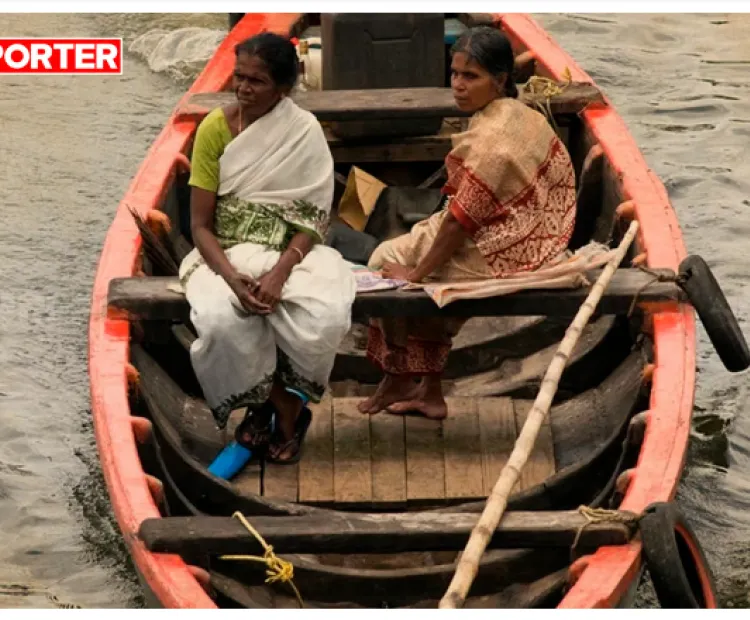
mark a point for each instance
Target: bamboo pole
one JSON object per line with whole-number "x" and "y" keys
{"x": 468, "y": 565}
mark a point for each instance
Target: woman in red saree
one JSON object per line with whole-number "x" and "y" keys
{"x": 510, "y": 208}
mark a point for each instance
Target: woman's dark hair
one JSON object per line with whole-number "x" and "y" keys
{"x": 491, "y": 50}
{"x": 277, "y": 53}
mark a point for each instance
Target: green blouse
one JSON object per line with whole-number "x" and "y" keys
{"x": 211, "y": 139}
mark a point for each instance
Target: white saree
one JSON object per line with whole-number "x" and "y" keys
{"x": 275, "y": 179}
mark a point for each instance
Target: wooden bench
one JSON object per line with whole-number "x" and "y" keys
{"x": 150, "y": 298}
{"x": 392, "y": 103}
{"x": 378, "y": 533}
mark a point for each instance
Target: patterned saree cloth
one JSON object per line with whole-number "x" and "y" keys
{"x": 276, "y": 179}
{"x": 511, "y": 185}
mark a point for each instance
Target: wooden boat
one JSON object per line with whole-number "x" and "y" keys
{"x": 377, "y": 509}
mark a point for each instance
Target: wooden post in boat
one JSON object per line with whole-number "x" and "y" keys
{"x": 468, "y": 565}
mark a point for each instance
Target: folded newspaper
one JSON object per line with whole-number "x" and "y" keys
{"x": 369, "y": 280}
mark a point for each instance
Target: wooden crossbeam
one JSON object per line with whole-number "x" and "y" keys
{"x": 150, "y": 298}
{"x": 376, "y": 104}
{"x": 374, "y": 533}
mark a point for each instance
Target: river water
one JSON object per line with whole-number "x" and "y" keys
{"x": 71, "y": 145}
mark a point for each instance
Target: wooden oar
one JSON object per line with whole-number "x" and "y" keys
{"x": 480, "y": 536}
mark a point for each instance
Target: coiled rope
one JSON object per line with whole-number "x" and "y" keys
{"x": 540, "y": 87}
{"x": 602, "y": 515}
{"x": 277, "y": 570}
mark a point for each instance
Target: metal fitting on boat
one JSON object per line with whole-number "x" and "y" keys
{"x": 576, "y": 569}
{"x": 647, "y": 374}
{"x": 626, "y": 210}
{"x": 156, "y": 488}
{"x": 637, "y": 428}
{"x": 142, "y": 429}
{"x": 132, "y": 375}
{"x": 158, "y": 222}
{"x": 201, "y": 576}
{"x": 623, "y": 481}
{"x": 182, "y": 163}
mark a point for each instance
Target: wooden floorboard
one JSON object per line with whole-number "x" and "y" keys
{"x": 316, "y": 465}
{"x": 463, "y": 458}
{"x": 388, "y": 460}
{"x": 497, "y": 436}
{"x": 248, "y": 481}
{"x": 280, "y": 482}
{"x": 425, "y": 465}
{"x": 352, "y": 476}
{"x": 541, "y": 463}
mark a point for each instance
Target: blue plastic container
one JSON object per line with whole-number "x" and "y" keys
{"x": 230, "y": 461}
{"x": 235, "y": 456}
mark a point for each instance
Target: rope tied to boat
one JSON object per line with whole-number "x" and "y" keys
{"x": 602, "y": 515}
{"x": 539, "y": 86}
{"x": 277, "y": 569}
{"x": 677, "y": 278}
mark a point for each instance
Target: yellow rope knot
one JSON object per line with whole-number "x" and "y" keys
{"x": 544, "y": 87}
{"x": 602, "y": 515}
{"x": 277, "y": 569}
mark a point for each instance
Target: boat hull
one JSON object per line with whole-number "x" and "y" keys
{"x": 606, "y": 578}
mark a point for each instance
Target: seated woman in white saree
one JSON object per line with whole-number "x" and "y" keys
{"x": 270, "y": 303}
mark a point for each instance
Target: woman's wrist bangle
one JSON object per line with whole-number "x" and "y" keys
{"x": 301, "y": 255}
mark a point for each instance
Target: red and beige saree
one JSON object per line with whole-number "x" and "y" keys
{"x": 511, "y": 185}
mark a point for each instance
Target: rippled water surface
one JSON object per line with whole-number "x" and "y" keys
{"x": 71, "y": 145}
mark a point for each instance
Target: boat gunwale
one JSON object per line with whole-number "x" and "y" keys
{"x": 610, "y": 571}
{"x": 168, "y": 576}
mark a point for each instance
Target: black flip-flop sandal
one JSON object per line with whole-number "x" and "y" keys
{"x": 300, "y": 430}
{"x": 259, "y": 425}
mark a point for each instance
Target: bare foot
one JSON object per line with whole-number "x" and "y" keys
{"x": 429, "y": 401}
{"x": 392, "y": 389}
{"x": 433, "y": 409}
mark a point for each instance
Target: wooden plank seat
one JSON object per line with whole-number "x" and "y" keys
{"x": 152, "y": 298}
{"x": 378, "y": 533}
{"x": 391, "y": 103}
{"x": 432, "y": 147}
